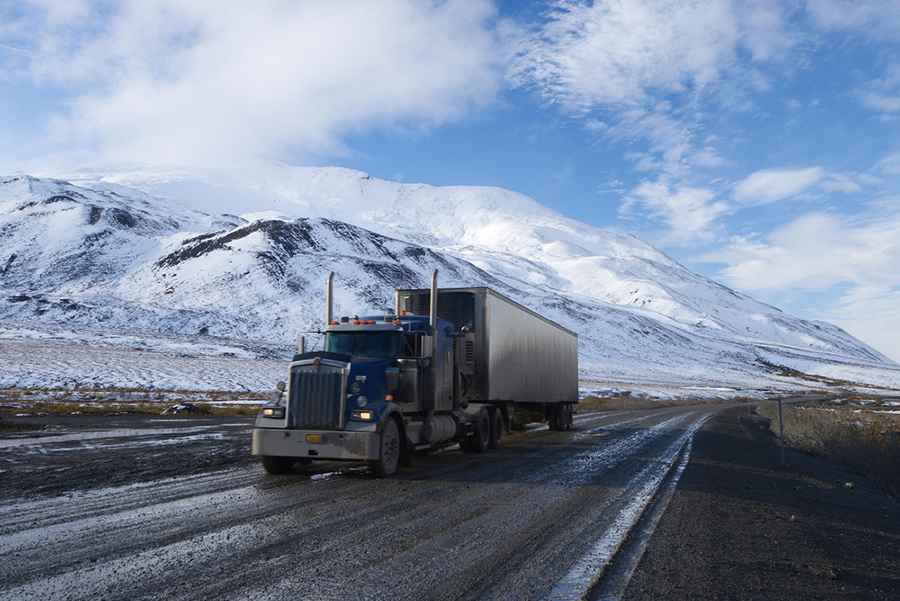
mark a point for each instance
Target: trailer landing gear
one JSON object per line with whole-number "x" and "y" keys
{"x": 561, "y": 417}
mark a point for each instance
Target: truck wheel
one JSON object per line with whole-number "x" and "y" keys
{"x": 387, "y": 464}
{"x": 277, "y": 465}
{"x": 481, "y": 434}
{"x": 496, "y": 429}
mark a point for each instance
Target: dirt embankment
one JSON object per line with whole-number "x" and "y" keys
{"x": 741, "y": 527}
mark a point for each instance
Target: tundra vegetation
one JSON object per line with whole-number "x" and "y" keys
{"x": 862, "y": 434}
{"x": 119, "y": 401}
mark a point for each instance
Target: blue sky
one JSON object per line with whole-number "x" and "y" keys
{"x": 756, "y": 143}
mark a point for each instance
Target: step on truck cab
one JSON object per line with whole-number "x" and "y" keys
{"x": 446, "y": 366}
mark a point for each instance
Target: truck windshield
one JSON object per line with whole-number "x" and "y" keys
{"x": 384, "y": 345}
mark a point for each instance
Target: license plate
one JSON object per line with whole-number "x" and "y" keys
{"x": 314, "y": 438}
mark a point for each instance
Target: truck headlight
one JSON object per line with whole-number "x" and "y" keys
{"x": 366, "y": 415}
{"x": 273, "y": 412}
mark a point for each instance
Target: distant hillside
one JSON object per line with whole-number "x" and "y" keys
{"x": 244, "y": 255}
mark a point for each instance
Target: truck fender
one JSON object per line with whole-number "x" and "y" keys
{"x": 391, "y": 411}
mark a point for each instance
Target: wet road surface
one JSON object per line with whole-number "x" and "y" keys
{"x": 536, "y": 519}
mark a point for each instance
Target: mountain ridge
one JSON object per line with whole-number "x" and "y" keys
{"x": 128, "y": 257}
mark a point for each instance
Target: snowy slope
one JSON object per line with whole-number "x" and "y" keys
{"x": 243, "y": 254}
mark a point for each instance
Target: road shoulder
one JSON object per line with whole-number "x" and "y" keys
{"x": 741, "y": 527}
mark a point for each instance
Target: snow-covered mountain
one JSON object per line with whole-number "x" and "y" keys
{"x": 244, "y": 253}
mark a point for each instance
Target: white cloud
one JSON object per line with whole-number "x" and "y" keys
{"x": 622, "y": 56}
{"x": 871, "y": 313}
{"x": 65, "y": 12}
{"x": 770, "y": 185}
{"x": 880, "y": 102}
{"x": 817, "y": 251}
{"x": 878, "y": 18}
{"x": 689, "y": 213}
{"x": 619, "y": 52}
{"x": 889, "y": 165}
{"x": 210, "y": 82}
{"x": 694, "y": 213}
{"x": 707, "y": 157}
{"x": 883, "y": 93}
{"x": 841, "y": 182}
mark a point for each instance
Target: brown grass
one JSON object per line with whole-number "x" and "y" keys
{"x": 127, "y": 395}
{"x": 865, "y": 441}
{"x": 245, "y": 410}
{"x": 69, "y": 408}
{"x": 596, "y": 403}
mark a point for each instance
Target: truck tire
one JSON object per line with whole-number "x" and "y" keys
{"x": 277, "y": 465}
{"x": 481, "y": 434}
{"x": 570, "y": 416}
{"x": 387, "y": 464}
{"x": 496, "y": 429}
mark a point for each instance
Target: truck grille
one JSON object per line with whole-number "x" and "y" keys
{"x": 316, "y": 399}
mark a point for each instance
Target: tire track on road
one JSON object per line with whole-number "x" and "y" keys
{"x": 584, "y": 576}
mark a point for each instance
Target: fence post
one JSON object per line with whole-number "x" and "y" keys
{"x": 781, "y": 430}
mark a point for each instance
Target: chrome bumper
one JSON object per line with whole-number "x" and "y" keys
{"x": 347, "y": 446}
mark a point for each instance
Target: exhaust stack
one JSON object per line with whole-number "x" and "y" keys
{"x": 397, "y": 303}
{"x": 432, "y": 315}
{"x": 329, "y": 299}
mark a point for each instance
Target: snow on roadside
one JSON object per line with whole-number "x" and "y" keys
{"x": 60, "y": 364}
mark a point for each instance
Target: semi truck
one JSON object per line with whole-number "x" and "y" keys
{"x": 446, "y": 366}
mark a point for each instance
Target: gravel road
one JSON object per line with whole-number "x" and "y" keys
{"x": 534, "y": 520}
{"x": 742, "y": 527}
